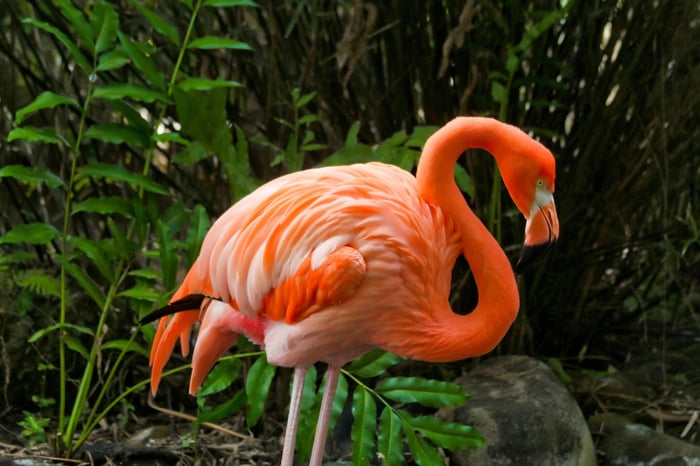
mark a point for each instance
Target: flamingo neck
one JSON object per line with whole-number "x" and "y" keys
{"x": 481, "y": 330}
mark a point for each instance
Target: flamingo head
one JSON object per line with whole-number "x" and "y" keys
{"x": 528, "y": 173}
{"x": 541, "y": 227}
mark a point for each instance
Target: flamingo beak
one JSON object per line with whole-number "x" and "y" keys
{"x": 541, "y": 230}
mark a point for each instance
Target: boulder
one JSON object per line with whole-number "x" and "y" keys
{"x": 526, "y": 414}
{"x": 623, "y": 443}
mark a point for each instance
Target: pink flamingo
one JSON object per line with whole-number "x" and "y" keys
{"x": 326, "y": 264}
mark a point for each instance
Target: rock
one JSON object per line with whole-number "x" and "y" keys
{"x": 122, "y": 453}
{"x": 142, "y": 436}
{"x": 526, "y": 415}
{"x": 621, "y": 442}
{"x": 23, "y": 462}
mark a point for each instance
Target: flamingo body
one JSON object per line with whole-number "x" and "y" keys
{"x": 326, "y": 264}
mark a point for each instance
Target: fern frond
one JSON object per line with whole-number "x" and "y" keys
{"x": 38, "y": 282}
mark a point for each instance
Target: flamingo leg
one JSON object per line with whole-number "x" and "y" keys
{"x": 324, "y": 416}
{"x": 290, "y": 435}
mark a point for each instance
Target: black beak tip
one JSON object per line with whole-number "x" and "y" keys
{"x": 188, "y": 303}
{"x": 529, "y": 256}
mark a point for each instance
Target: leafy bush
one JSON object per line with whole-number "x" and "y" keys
{"x": 120, "y": 240}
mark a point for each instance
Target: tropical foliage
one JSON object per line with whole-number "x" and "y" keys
{"x": 129, "y": 126}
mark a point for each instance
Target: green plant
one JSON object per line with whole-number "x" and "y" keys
{"x": 294, "y": 151}
{"x": 423, "y": 434}
{"x": 33, "y": 428}
{"x": 222, "y": 377}
{"x": 116, "y": 242}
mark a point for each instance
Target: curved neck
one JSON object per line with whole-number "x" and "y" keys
{"x": 480, "y": 331}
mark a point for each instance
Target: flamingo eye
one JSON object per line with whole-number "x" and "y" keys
{"x": 540, "y": 183}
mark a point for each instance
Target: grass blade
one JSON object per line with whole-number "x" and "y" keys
{"x": 213, "y": 42}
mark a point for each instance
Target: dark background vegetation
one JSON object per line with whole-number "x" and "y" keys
{"x": 612, "y": 87}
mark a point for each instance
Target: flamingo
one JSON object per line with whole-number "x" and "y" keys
{"x": 328, "y": 263}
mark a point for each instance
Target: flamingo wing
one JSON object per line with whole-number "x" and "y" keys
{"x": 289, "y": 228}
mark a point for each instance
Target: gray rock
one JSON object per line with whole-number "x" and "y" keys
{"x": 621, "y": 442}
{"x": 526, "y": 415}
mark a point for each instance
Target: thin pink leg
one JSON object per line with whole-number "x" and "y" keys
{"x": 290, "y": 435}
{"x": 324, "y": 416}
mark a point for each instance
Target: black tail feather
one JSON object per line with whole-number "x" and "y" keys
{"x": 190, "y": 302}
